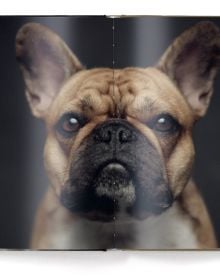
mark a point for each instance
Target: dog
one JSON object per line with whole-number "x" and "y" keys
{"x": 119, "y": 149}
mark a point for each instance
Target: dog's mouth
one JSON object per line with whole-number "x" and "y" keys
{"x": 114, "y": 180}
{"x": 113, "y": 192}
{"x": 111, "y": 188}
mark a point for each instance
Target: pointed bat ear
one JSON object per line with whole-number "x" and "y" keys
{"x": 191, "y": 62}
{"x": 46, "y": 63}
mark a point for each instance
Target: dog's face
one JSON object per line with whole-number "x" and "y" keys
{"x": 113, "y": 144}
{"x": 118, "y": 140}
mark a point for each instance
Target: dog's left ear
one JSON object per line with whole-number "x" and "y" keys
{"x": 46, "y": 63}
{"x": 191, "y": 62}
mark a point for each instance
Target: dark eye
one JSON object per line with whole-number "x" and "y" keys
{"x": 68, "y": 124}
{"x": 164, "y": 123}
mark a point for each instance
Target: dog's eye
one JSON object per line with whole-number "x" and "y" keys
{"x": 164, "y": 123}
{"x": 68, "y": 124}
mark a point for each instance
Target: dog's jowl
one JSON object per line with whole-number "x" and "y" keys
{"x": 119, "y": 150}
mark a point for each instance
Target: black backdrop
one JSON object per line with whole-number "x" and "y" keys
{"x": 139, "y": 41}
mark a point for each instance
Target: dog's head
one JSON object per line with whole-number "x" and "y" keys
{"x": 118, "y": 138}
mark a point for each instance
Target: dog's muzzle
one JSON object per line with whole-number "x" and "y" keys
{"x": 114, "y": 178}
{"x": 116, "y": 168}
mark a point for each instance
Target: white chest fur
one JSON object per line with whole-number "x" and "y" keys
{"x": 170, "y": 230}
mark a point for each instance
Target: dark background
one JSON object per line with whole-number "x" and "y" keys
{"x": 139, "y": 41}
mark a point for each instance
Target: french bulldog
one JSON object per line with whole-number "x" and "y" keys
{"x": 119, "y": 149}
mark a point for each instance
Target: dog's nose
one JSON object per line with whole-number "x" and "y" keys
{"x": 115, "y": 131}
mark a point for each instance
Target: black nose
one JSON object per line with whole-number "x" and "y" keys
{"x": 115, "y": 131}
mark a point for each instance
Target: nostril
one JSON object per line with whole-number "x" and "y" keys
{"x": 106, "y": 136}
{"x": 103, "y": 135}
{"x": 125, "y": 135}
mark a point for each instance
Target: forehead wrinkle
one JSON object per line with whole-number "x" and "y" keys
{"x": 130, "y": 84}
{"x": 80, "y": 79}
{"x": 100, "y": 84}
{"x": 107, "y": 98}
{"x": 134, "y": 82}
{"x": 95, "y": 101}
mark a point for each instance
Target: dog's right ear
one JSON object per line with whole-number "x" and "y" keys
{"x": 192, "y": 62}
{"x": 46, "y": 63}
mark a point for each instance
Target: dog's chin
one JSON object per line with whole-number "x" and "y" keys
{"x": 111, "y": 195}
{"x": 110, "y": 192}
